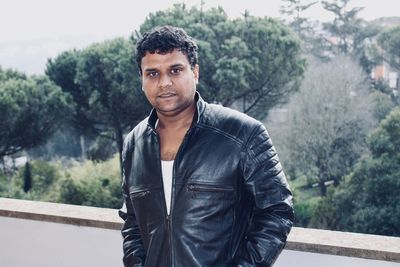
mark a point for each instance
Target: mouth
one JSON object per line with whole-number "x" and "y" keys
{"x": 166, "y": 95}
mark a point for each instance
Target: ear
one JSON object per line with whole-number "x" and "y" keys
{"x": 196, "y": 73}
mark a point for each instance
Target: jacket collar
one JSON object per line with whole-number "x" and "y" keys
{"x": 200, "y": 107}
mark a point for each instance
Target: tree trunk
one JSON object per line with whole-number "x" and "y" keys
{"x": 120, "y": 143}
{"x": 82, "y": 143}
{"x": 3, "y": 164}
{"x": 322, "y": 188}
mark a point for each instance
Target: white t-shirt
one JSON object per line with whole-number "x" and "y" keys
{"x": 166, "y": 168}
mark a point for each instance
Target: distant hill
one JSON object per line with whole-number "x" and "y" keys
{"x": 387, "y": 22}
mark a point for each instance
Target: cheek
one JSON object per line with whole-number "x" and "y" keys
{"x": 147, "y": 89}
{"x": 148, "y": 94}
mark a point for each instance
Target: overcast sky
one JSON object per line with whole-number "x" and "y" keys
{"x": 32, "y": 31}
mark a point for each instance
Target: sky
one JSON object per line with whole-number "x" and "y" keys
{"x": 33, "y": 31}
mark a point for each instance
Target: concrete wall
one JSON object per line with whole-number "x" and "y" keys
{"x": 57, "y": 235}
{"x": 46, "y": 244}
{"x": 291, "y": 258}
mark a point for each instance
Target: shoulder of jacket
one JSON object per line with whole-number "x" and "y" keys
{"x": 230, "y": 121}
{"x": 135, "y": 133}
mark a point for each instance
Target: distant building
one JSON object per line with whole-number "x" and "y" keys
{"x": 386, "y": 74}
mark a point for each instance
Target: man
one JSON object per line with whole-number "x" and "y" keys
{"x": 202, "y": 183}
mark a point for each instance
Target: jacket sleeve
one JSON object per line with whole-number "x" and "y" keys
{"x": 272, "y": 212}
{"x": 133, "y": 251}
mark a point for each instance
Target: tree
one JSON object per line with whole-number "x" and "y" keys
{"x": 27, "y": 177}
{"x": 351, "y": 31}
{"x": 105, "y": 87}
{"x": 382, "y": 105}
{"x": 313, "y": 42}
{"x": 390, "y": 42}
{"x": 92, "y": 184}
{"x": 31, "y": 110}
{"x": 294, "y": 9}
{"x": 251, "y": 63}
{"x": 44, "y": 179}
{"x": 62, "y": 71}
{"x": 330, "y": 119}
{"x": 369, "y": 200}
{"x": 64, "y": 143}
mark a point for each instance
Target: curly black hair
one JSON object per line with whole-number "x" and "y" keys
{"x": 164, "y": 39}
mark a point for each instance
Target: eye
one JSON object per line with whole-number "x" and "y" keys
{"x": 152, "y": 74}
{"x": 175, "y": 71}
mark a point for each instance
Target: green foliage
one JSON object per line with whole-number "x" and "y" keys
{"x": 345, "y": 25}
{"x": 103, "y": 82}
{"x": 329, "y": 122}
{"x": 323, "y": 216}
{"x": 102, "y": 149}
{"x": 390, "y": 42}
{"x": 88, "y": 183}
{"x": 65, "y": 142}
{"x": 294, "y": 9}
{"x": 27, "y": 177}
{"x": 305, "y": 200}
{"x": 44, "y": 177}
{"x": 313, "y": 42}
{"x": 62, "y": 71}
{"x": 369, "y": 200}
{"x": 92, "y": 184}
{"x": 252, "y": 63}
{"x": 386, "y": 139}
{"x": 382, "y": 105}
{"x": 9, "y": 74}
{"x": 304, "y": 211}
{"x": 351, "y": 32}
{"x": 31, "y": 109}
{"x": 3, "y": 184}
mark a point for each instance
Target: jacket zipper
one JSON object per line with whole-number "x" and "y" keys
{"x": 169, "y": 216}
{"x": 139, "y": 194}
{"x": 208, "y": 188}
{"x": 169, "y": 232}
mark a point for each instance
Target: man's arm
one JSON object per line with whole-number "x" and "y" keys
{"x": 273, "y": 215}
{"x": 134, "y": 252}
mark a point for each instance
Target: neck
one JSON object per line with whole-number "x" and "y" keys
{"x": 181, "y": 120}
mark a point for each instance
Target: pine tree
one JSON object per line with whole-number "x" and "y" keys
{"x": 27, "y": 177}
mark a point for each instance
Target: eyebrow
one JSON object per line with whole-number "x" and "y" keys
{"x": 150, "y": 70}
{"x": 177, "y": 65}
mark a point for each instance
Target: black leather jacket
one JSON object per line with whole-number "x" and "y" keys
{"x": 230, "y": 206}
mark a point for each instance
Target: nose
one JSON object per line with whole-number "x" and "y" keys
{"x": 164, "y": 81}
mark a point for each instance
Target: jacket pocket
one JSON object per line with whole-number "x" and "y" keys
{"x": 209, "y": 188}
{"x": 208, "y": 191}
{"x": 139, "y": 194}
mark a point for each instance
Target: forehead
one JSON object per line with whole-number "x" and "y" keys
{"x": 159, "y": 60}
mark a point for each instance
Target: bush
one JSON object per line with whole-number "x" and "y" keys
{"x": 304, "y": 212}
{"x": 369, "y": 200}
{"x": 92, "y": 184}
{"x": 44, "y": 176}
{"x": 88, "y": 183}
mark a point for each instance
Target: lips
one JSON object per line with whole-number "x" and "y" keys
{"x": 166, "y": 95}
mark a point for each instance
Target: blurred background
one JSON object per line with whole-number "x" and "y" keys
{"x": 322, "y": 75}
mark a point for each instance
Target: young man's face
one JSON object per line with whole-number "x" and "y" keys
{"x": 168, "y": 81}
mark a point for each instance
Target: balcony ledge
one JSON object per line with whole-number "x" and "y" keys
{"x": 383, "y": 248}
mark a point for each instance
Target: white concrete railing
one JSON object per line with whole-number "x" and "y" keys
{"x": 47, "y": 234}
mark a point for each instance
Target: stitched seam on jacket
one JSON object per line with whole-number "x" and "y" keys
{"x": 223, "y": 133}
